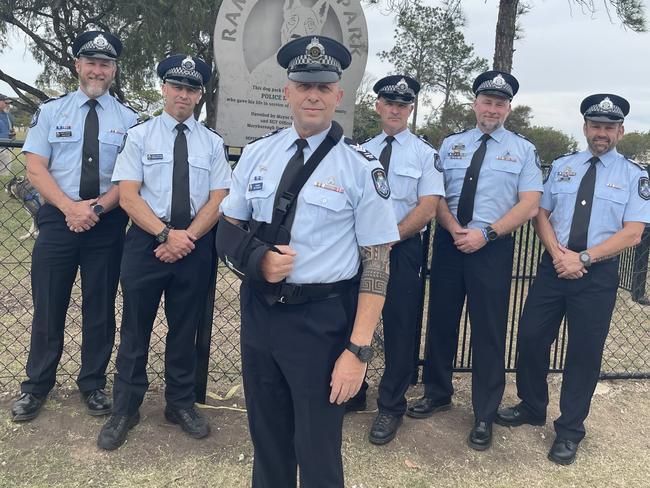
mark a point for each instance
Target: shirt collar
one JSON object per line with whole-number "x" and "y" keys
{"x": 82, "y": 98}
{"x": 497, "y": 135}
{"x": 171, "y": 123}
{"x": 312, "y": 141}
{"x": 400, "y": 137}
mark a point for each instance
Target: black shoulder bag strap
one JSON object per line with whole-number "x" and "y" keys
{"x": 286, "y": 202}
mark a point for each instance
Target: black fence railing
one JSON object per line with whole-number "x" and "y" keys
{"x": 627, "y": 351}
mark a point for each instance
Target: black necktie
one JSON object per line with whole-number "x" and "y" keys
{"x": 384, "y": 157}
{"x": 582, "y": 209}
{"x": 295, "y": 164}
{"x": 467, "y": 194}
{"x": 181, "y": 217}
{"x": 89, "y": 183}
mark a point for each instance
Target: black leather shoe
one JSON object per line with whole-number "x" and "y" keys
{"x": 480, "y": 437}
{"x": 115, "y": 430}
{"x": 355, "y": 404}
{"x": 516, "y": 416}
{"x": 97, "y": 402}
{"x": 426, "y": 407}
{"x": 563, "y": 451}
{"x": 27, "y": 407}
{"x": 384, "y": 428}
{"x": 190, "y": 421}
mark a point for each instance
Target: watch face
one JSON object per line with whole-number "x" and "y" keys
{"x": 584, "y": 258}
{"x": 366, "y": 353}
{"x": 98, "y": 209}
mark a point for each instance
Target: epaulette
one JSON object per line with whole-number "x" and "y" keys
{"x": 523, "y": 137}
{"x": 359, "y": 148}
{"x": 140, "y": 122}
{"x": 370, "y": 139}
{"x": 426, "y": 142}
{"x": 212, "y": 130}
{"x": 128, "y": 106}
{"x": 54, "y": 98}
{"x": 565, "y": 155}
{"x": 459, "y": 132}
{"x": 268, "y": 134}
{"x": 638, "y": 165}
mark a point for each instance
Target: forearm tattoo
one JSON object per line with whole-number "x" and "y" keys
{"x": 375, "y": 263}
{"x": 605, "y": 258}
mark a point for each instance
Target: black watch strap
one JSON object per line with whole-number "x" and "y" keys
{"x": 363, "y": 353}
{"x": 492, "y": 234}
{"x": 163, "y": 235}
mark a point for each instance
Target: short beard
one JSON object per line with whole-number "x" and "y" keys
{"x": 94, "y": 91}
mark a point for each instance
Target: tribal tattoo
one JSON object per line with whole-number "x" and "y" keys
{"x": 375, "y": 263}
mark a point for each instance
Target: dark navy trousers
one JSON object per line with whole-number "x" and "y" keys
{"x": 57, "y": 255}
{"x": 587, "y": 303}
{"x": 484, "y": 278}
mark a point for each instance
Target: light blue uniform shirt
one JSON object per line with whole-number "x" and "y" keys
{"x": 617, "y": 195}
{"x": 338, "y": 208}
{"x": 411, "y": 172}
{"x": 56, "y": 133}
{"x": 510, "y": 166}
{"x": 6, "y": 124}
{"x": 148, "y": 157}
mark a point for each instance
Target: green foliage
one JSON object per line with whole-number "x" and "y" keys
{"x": 636, "y": 145}
{"x": 366, "y": 120}
{"x": 550, "y": 142}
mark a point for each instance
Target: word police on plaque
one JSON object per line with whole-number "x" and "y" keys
{"x": 248, "y": 35}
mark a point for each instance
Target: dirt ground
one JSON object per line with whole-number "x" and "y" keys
{"x": 58, "y": 448}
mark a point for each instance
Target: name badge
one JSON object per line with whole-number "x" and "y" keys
{"x": 154, "y": 157}
{"x": 64, "y": 133}
{"x": 63, "y": 127}
{"x": 256, "y": 186}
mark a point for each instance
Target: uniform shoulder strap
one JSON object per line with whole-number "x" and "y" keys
{"x": 359, "y": 148}
{"x": 268, "y": 134}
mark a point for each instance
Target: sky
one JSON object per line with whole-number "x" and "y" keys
{"x": 564, "y": 56}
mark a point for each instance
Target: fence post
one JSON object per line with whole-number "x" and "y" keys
{"x": 640, "y": 269}
{"x": 426, "y": 241}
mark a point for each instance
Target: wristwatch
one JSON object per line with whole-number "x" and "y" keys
{"x": 364, "y": 353}
{"x": 585, "y": 259}
{"x": 491, "y": 233}
{"x": 98, "y": 209}
{"x": 163, "y": 235}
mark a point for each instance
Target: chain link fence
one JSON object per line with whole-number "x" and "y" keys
{"x": 627, "y": 352}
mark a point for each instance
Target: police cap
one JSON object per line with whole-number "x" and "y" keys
{"x": 497, "y": 83}
{"x": 397, "y": 88}
{"x": 182, "y": 69}
{"x": 314, "y": 59}
{"x": 604, "y": 107}
{"x": 97, "y": 44}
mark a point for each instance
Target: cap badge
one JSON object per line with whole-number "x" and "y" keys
{"x": 402, "y": 86}
{"x": 315, "y": 49}
{"x": 498, "y": 81}
{"x": 188, "y": 63}
{"x": 100, "y": 41}
{"x": 606, "y": 104}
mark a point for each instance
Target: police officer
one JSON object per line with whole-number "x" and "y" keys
{"x": 416, "y": 186}
{"x": 493, "y": 183}
{"x": 594, "y": 206}
{"x": 172, "y": 176}
{"x": 305, "y": 342}
{"x": 70, "y": 152}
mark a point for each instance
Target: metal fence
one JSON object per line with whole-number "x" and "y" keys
{"x": 627, "y": 352}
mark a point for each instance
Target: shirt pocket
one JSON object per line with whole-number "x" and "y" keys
{"x": 326, "y": 210}
{"x": 156, "y": 169}
{"x": 610, "y": 204}
{"x": 260, "y": 196}
{"x": 199, "y": 176}
{"x": 563, "y": 197}
{"x": 109, "y": 145}
{"x": 511, "y": 167}
{"x": 404, "y": 184}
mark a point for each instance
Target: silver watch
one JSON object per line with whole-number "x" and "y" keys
{"x": 585, "y": 259}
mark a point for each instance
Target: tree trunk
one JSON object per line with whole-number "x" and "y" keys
{"x": 415, "y": 114}
{"x": 505, "y": 35}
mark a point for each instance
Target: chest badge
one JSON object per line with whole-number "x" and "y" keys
{"x": 566, "y": 174}
{"x": 63, "y": 133}
{"x": 330, "y": 184}
{"x": 256, "y": 186}
{"x": 457, "y": 151}
{"x": 154, "y": 156}
{"x": 614, "y": 185}
{"x": 507, "y": 157}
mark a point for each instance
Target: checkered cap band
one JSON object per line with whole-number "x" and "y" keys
{"x": 491, "y": 85}
{"x": 597, "y": 109}
{"x": 184, "y": 73}
{"x": 306, "y": 60}
{"x": 93, "y": 46}
{"x": 395, "y": 89}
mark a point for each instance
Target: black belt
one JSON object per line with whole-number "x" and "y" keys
{"x": 294, "y": 294}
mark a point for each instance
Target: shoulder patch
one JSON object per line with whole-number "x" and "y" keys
{"x": 547, "y": 174}
{"x": 381, "y": 183}
{"x": 361, "y": 150}
{"x": 34, "y": 120}
{"x": 425, "y": 141}
{"x": 268, "y": 134}
{"x": 126, "y": 134}
{"x": 644, "y": 188}
{"x": 437, "y": 162}
{"x": 638, "y": 165}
